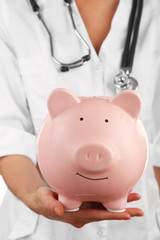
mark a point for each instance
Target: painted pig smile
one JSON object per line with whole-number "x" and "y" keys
{"x": 91, "y": 178}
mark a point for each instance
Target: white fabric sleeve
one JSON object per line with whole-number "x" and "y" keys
{"x": 155, "y": 151}
{"x": 153, "y": 98}
{"x": 16, "y": 127}
{"x": 155, "y": 127}
{"x": 155, "y": 113}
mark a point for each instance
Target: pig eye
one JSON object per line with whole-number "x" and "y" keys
{"x": 81, "y": 119}
{"x": 106, "y": 120}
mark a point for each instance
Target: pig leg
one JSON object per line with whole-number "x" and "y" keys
{"x": 70, "y": 205}
{"x": 116, "y": 205}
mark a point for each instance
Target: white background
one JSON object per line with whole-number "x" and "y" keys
{"x": 2, "y": 189}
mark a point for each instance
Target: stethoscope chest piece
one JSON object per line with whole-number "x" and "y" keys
{"x": 123, "y": 81}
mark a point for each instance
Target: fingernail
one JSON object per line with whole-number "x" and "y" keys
{"x": 139, "y": 196}
{"x": 57, "y": 210}
{"x": 127, "y": 218}
{"x": 141, "y": 213}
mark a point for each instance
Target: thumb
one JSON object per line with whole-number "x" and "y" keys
{"x": 48, "y": 200}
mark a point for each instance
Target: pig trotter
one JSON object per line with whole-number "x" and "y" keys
{"x": 70, "y": 205}
{"x": 116, "y": 205}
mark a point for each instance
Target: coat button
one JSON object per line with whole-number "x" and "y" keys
{"x": 100, "y": 233}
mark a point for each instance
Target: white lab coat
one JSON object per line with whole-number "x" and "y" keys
{"x": 28, "y": 75}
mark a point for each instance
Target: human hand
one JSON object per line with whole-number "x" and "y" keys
{"x": 45, "y": 202}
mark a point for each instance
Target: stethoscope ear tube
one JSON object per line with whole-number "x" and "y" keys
{"x": 64, "y": 67}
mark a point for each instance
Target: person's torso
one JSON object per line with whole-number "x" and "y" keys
{"x": 40, "y": 76}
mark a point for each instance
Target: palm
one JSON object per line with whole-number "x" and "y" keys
{"x": 88, "y": 212}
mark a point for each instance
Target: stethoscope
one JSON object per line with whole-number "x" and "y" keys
{"x": 123, "y": 80}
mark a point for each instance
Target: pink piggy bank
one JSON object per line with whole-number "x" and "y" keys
{"x": 92, "y": 148}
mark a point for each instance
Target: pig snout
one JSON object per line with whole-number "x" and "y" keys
{"x": 93, "y": 158}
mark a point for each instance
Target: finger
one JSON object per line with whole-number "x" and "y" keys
{"x": 47, "y": 199}
{"x": 133, "y": 197}
{"x": 99, "y": 214}
{"x": 135, "y": 212}
{"x": 79, "y": 225}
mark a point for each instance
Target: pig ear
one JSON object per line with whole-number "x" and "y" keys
{"x": 130, "y": 101}
{"x": 61, "y": 99}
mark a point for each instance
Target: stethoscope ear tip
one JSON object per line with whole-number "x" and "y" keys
{"x": 64, "y": 69}
{"x": 35, "y": 6}
{"x": 86, "y": 58}
{"x": 67, "y": 1}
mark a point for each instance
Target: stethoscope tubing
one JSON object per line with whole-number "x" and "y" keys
{"x": 132, "y": 35}
{"x": 123, "y": 80}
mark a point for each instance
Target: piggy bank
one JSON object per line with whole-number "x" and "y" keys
{"x": 92, "y": 148}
